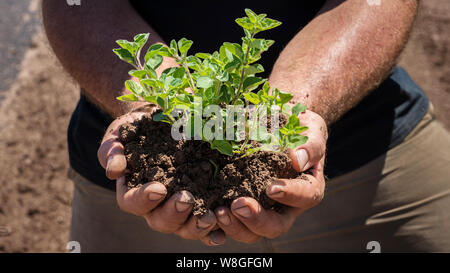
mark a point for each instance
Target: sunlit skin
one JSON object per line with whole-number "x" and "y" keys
{"x": 330, "y": 66}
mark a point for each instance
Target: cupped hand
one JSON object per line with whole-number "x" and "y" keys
{"x": 247, "y": 221}
{"x": 174, "y": 216}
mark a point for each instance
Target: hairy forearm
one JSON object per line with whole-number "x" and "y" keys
{"x": 83, "y": 37}
{"x": 344, "y": 53}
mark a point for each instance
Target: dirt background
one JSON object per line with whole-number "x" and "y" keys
{"x": 37, "y": 98}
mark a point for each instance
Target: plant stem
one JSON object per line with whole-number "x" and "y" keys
{"x": 244, "y": 63}
{"x": 137, "y": 57}
{"x": 188, "y": 72}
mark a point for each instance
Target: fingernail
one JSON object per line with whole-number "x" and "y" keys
{"x": 276, "y": 191}
{"x": 215, "y": 238}
{"x": 206, "y": 220}
{"x": 302, "y": 158}
{"x": 157, "y": 191}
{"x": 184, "y": 202}
{"x": 244, "y": 211}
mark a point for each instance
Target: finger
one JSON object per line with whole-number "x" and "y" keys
{"x": 173, "y": 214}
{"x": 110, "y": 153}
{"x": 197, "y": 227}
{"x": 310, "y": 153}
{"x": 304, "y": 192}
{"x": 233, "y": 227}
{"x": 214, "y": 238}
{"x": 266, "y": 223}
{"x": 141, "y": 200}
{"x": 107, "y": 148}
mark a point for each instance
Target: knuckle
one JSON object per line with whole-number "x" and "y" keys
{"x": 126, "y": 207}
{"x": 186, "y": 234}
{"x": 316, "y": 197}
{"x": 231, "y": 231}
{"x": 161, "y": 226}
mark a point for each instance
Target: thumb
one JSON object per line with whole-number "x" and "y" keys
{"x": 309, "y": 154}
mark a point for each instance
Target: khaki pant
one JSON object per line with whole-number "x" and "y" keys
{"x": 400, "y": 200}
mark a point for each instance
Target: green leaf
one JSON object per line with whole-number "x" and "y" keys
{"x": 165, "y": 51}
{"x": 150, "y": 72}
{"x": 223, "y": 76}
{"x": 253, "y": 69}
{"x": 193, "y": 62}
{"x": 128, "y": 97}
{"x": 209, "y": 93}
{"x": 285, "y": 97}
{"x": 178, "y": 72}
{"x": 251, "y": 151}
{"x": 159, "y": 116}
{"x": 167, "y": 72}
{"x": 225, "y": 93}
{"x": 298, "y": 108}
{"x": 295, "y": 141}
{"x": 204, "y": 82}
{"x": 173, "y": 47}
{"x": 233, "y": 64}
{"x": 151, "y": 99}
{"x": 130, "y": 46}
{"x": 292, "y": 122}
{"x": 138, "y": 73}
{"x": 203, "y": 55}
{"x": 140, "y": 40}
{"x": 124, "y": 55}
{"x": 134, "y": 87}
{"x": 267, "y": 23}
{"x": 245, "y": 23}
{"x": 253, "y": 98}
{"x": 299, "y": 130}
{"x": 154, "y": 50}
{"x": 183, "y": 98}
{"x": 155, "y": 61}
{"x": 234, "y": 49}
{"x": 251, "y": 83}
{"x": 284, "y": 131}
{"x": 251, "y": 15}
{"x": 223, "y": 146}
{"x": 160, "y": 101}
{"x": 184, "y": 45}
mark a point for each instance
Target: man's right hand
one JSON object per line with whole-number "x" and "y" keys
{"x": 174, "y": 216}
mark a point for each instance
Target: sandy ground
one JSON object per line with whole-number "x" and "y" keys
{"x": 35, "y": 194}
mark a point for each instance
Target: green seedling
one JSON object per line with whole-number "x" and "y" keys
{"x": 226, "y": 77}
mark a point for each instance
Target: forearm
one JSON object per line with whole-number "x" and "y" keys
{"x": 83, "y": 37}
{"x": 343, "y": 53}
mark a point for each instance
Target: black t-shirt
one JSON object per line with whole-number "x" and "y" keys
{"x": 381, "y": 121}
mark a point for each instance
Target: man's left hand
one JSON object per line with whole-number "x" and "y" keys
{"x": 247, "y": 221}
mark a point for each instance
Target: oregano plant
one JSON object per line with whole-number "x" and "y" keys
{"x": 225, "y": 79}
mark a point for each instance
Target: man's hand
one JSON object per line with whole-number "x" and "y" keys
{"x": 246, "y": 221}
{"x": 174, "y": 216}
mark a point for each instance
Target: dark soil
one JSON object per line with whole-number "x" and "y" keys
{"x": 153, "y": 155}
